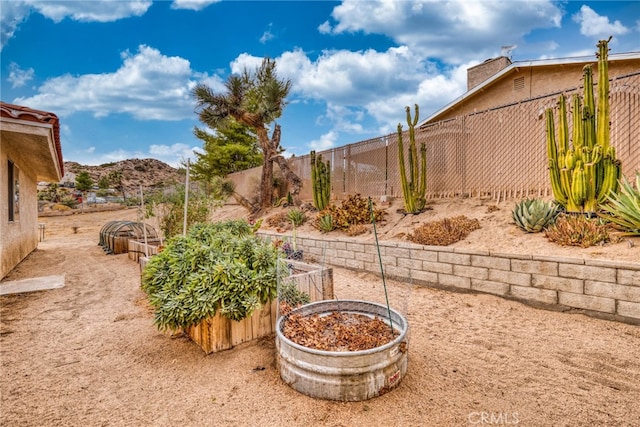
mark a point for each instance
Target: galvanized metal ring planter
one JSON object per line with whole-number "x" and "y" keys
{"x": 344, "y": 375}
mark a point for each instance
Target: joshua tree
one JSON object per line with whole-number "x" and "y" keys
{"x": 256, "y": 101}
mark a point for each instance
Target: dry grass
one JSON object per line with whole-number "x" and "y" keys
{"x": 578, "y": 230}
{"x": 444, "y": 232}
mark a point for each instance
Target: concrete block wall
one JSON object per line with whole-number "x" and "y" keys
{"x": 599, "y": 288}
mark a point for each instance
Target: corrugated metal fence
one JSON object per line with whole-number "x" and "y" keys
{"x": 499, "y": 152}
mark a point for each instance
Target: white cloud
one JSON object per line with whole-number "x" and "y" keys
{"x": 455, "y": 31}
{"x": 19, "y": 77}
{"x": 148, "y": 86}
{"x": 192, "y": 4}
{"x": 365, "y": 92}
{"x": 594, "y": 25}
{"x": 245, "y": 61}
{"x": 324, "y": 28}
{"x": 15, "y": 12}
{"x": 12, "y": 15}
{"x": 91, "y": 11}
{"x": 267, "y": 35}
{"x": 173, "y": 154}
{"x": 326, "y": 141}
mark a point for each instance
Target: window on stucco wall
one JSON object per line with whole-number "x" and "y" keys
{"x": 14, "y": 191}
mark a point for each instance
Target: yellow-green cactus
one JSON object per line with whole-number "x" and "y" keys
{"x": 413, "y": 188}
{"x": 583, "y": 175}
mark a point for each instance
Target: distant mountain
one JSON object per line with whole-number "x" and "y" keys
{"x": 148, "y": 173}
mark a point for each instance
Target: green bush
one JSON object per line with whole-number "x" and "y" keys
{"x": 221, "y": 267}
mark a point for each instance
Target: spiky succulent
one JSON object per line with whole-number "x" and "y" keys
{"x": 623, "y": 208}
{"x": 533, "y": 215}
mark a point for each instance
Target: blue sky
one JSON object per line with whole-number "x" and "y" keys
{"x": 119, "y": 74}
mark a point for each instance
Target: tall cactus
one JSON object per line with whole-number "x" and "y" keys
{"x": 320, "y": 181}
{"x": 415, "y": 186}
{"x": 583, "y": 175}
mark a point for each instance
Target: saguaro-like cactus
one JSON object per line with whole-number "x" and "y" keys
{"x": 414, "y": 186}
{"x": 584, "y": 174}
{"x": 320, "y": 181}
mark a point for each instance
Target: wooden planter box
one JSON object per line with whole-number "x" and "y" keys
{"x": 219, "y": 333}
{"x": 138, "y": 249}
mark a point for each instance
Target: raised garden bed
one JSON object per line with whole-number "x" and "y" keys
{"x": 138, "y": 248}
{"x": 219, "y": 333}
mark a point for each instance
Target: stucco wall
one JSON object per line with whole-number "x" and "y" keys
{"x": 536, "y": 81}
{"x": 19, "y": 238}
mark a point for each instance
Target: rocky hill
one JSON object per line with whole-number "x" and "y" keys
{"x": 148, "y": 173}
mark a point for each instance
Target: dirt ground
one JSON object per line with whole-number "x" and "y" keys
{"x": 88, "y": 354}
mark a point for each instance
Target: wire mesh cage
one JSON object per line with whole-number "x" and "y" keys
{"x": 115, "y": 235}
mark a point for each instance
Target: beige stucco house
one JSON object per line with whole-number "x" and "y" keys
{"x": 499, "y": 82}
{"x": 30, "y": 152}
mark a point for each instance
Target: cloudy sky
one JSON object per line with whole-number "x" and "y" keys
{"x": 119, "y": 73}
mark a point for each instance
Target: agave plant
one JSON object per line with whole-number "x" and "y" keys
{"x": 623, "y": 208}
{"x": 296, "y": 216}
{"x": 325, "y": 223}
{"x": 533, "y": 215}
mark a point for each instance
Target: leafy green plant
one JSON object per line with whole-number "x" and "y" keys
{"x": 168, "y": 205}
{"x": 444, "y": 232}
{"x": 289, "y": 293}
{"x": 69, "y": 201}
{"x": 296, "y": 216}
{"x": 220, "y": 267}
{"x": 325, "y": 223}
{"x": 533, "y": 215}
{"x": 578, "y": 230}
{"x": 623, "y": 208}
{"x": 353, "y": 210}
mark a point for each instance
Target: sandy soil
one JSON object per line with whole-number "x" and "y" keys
{"x": 88, "y": 354}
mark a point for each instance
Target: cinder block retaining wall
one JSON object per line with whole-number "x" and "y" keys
{"x": 599, "y": 288}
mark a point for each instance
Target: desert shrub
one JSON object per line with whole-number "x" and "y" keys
{"x": 352, "y": 211}
{"x": 168, "y": 206}
{"x": 279, "y": 220}
{"x": 357, "y": 229}
{"x": 578, "y": 230}
{"x": 444, "y": 232}
{"x": 221, "y": 267}
{"x": 60, "y": 207}
{"x": 69, "y": 201}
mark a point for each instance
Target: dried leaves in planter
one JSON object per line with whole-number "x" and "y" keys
{"x": 444, "y": 232}
{"x": 578, "y": 230}
{"x": 337, "y": 331}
